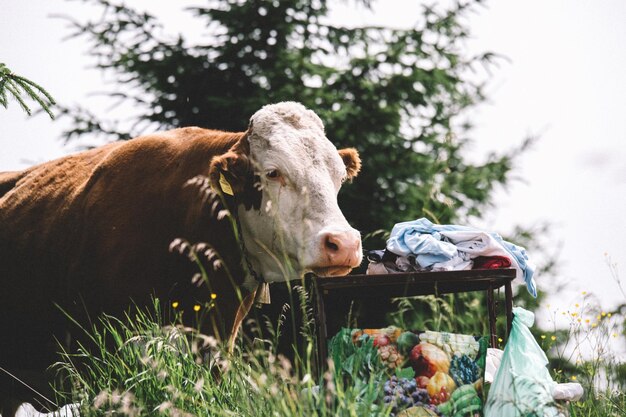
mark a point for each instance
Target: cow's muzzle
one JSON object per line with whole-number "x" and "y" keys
{"x": 340, "y": 252}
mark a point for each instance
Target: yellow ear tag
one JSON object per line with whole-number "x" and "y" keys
{"x": 226, "y": 188}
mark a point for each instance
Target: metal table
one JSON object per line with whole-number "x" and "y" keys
{"x": 334, "y": 293}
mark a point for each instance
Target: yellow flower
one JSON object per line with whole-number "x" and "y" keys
{"x": 500, "y": 339}
{"x": 579, "y": 320}
{"x": 608, "y": 315}
{"x": 603, "y": 314}
{"x": 574, "y": 314}
{"x": 196, "y": 307}
{"x": 574, "y": 378}
{"x": 553, "y": 338}
{"x": 584, "y": 293}
{"x": 577, "y": 305}
{"x": 543, "y": 336}
{"x": 175, "y": 304}
{"x": 213, "y": 296}
{"x": 614, "y": 335}
{"x": 594, "y": 325}
{"x": 599, "y": 317}
{"x": 587, "y": 321}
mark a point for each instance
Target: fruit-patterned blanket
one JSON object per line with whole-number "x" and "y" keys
{"x": 448, "y": 371}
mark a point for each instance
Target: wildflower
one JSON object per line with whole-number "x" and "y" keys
{"x": 603, "y": 314}
{"x": 608, "y": 315}
{"x": 547, "y": 305}
{"x": 577, "y": 305}
{"x": 614, "y": 334}
{"x": 213, "y": 296}
{"x": 587, "y": 321}
{"x": 599, "y": 317}
{"x": 584, "y": 293}
{"x": 198, "y": 385}
{"x": 175, "y": 304}
{"x": 553, "y": 338}
{"x": 101, "y": 399}
{"x": 543, "y": 336}
{"x": 574, "y": 378}
{"x": 579, "y": 320}
{"x": 164, "y": 406}
{"x": 594, "y": 325}
{"x": 196, "y": 307}
{"x": 574, "y": 314}
{"x": 500, "y": 340}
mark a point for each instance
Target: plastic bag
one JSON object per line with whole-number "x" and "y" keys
{"x": 522, "y": 385}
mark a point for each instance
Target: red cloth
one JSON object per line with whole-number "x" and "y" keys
{"x": 491, "y": 262}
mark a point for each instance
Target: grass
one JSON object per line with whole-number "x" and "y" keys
{"x": 137, "y": 366}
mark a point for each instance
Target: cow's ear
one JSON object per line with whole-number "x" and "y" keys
{"x": 352, "y": 161}
{"x": 229, "y": 172}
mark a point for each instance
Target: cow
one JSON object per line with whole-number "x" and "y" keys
{"x": 90, "y": 232}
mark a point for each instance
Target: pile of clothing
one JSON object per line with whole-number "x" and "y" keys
{"x": 420, "y": 245}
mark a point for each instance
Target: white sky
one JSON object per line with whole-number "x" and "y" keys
{"x": 564, "y": 81}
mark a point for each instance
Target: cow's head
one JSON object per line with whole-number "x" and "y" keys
{"x": 286, "y": 174}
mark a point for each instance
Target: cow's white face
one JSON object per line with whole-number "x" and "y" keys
{"x": 298, "y": 226}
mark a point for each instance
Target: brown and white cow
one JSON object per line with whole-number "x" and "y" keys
{"x": 90, "y": 232}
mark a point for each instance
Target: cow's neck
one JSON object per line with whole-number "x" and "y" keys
{"x": 265, "y": 261}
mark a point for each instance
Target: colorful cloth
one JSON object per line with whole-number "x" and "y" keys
{"x": 491, "y": 262}
{"x": 429, "y": 373}
{"x": 451, "y": 247}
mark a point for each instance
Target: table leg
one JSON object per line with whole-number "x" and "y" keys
{"x": 508, "y": 299}
{"x": 492, "y": 317}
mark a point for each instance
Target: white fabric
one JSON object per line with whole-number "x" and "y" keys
{"x": 570, "y": 391}
{"x": 494, "y": 357}
{"x": 27, "y": 410}
{"x": 471, "y": 244}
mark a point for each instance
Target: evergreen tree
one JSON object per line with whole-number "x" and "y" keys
{"x": 398, "y": 96}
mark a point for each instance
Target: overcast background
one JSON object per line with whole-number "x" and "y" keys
{"x": 564, "y": 82}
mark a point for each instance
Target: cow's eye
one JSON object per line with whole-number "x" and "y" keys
{"x": 273, "y": 174}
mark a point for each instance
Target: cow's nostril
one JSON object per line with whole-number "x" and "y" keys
{"x": 331, "y": 245}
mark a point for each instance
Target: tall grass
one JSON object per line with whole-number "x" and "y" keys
{"x": 139, "y": 367}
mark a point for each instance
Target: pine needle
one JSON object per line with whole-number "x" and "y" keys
{"x": 18, "y": 87}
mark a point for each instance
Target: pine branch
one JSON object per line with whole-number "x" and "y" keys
{"x": 18, "y": 87}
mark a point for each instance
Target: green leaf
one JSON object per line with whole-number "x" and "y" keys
{"x": 407, "y": 373}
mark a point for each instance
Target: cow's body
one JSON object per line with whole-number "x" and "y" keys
{"x": 91, "y": 231}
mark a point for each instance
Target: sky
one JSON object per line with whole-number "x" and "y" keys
{"x": 562, "y": 80}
